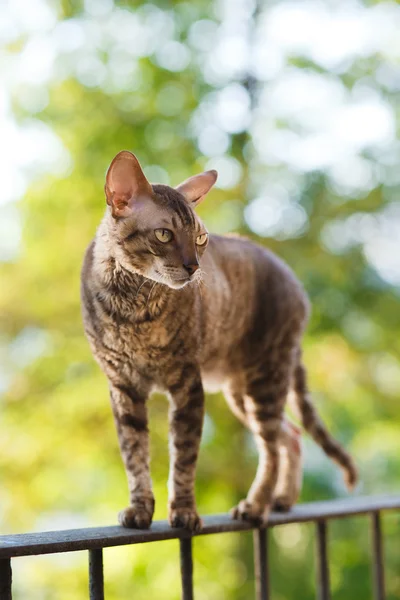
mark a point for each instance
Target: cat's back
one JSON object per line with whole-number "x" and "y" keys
{"x": 248, "y": 264}
{"x": 250, "y": 293}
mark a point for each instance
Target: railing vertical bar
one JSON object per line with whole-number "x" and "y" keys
{"x": 261, "y": 570}
{"x": 5, "y": 579}
{"x": 186, "y": 568}
{"x": 323, "y": 591}
{"x": 377, "y": 557}
{"x": 96, "y": 577}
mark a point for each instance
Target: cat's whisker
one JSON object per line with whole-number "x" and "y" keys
{"x": 200, "y": 279}
{"x": 199, "y": 282}
{"x": 140, "y": 287}
{"x": 148, "y": 297}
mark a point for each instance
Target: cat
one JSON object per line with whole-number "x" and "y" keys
{"x": 167, "y": 306}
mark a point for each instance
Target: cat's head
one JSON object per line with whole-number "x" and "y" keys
{"x": 154, "y": 229}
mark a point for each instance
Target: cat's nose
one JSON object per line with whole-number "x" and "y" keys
{"x": 191, "y": 268}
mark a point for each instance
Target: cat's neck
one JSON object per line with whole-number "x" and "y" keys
{"x": 124, "y": 293}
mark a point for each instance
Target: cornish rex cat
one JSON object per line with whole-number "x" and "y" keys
{"x": 167, "y": 306}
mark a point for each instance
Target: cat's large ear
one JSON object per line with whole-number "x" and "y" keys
{"x": 125, "y": 183}
{"x": 195, "y": 188}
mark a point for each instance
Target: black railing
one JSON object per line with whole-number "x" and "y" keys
{"x": 96, "y": 538}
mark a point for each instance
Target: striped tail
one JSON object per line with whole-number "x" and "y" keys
{"x": 313, "y": 425}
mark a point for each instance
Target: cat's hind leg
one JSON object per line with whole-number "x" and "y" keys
{"x": 290, "y": 476}
{"x": 264, "y": 399}
{"x": 290, "y": 471}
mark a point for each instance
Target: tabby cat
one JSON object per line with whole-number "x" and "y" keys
{"x": 167, "y": 306}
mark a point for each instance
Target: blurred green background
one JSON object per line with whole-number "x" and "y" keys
{"x": 296, "y": 105}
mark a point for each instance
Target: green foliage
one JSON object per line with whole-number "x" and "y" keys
{"x": 59, "y": 461}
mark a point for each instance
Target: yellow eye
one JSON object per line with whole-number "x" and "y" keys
{"x": 201, "y": 239}
{"x": 163, "y": 235}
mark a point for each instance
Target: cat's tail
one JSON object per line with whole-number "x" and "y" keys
{"x": 302, "y": 403}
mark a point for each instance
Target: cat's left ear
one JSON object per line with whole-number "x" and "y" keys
{"x": 195, "y": 188}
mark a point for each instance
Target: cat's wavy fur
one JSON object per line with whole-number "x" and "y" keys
{"x": 177, "y": 316}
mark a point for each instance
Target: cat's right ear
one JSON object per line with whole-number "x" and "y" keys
{"x": 125, "y": 183}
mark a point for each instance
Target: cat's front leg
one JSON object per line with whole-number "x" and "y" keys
{"x": 130, "y": 413}
{"x": 186, "y": 424}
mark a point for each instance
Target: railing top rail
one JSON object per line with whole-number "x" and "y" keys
{"x": 25, "y": 544}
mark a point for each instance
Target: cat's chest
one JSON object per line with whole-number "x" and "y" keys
{"x": 143, "y": 347}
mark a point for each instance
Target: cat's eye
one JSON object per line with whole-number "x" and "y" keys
{"x": 163, "y": 235}
{"x": 201, "y": 239}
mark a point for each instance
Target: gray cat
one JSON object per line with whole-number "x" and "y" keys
{"x": 167, "y": 306}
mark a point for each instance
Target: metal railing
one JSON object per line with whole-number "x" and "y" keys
{"x": 96, "y": 538}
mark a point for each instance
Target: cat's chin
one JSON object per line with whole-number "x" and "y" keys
{"x": 177, "y": 284}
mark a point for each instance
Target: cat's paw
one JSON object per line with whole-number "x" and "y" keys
{"x": 252, "y": 512}
{"x": 185, "y": 517}
{"x": 282, "y": 504}
{"x": 138, "y": 515}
